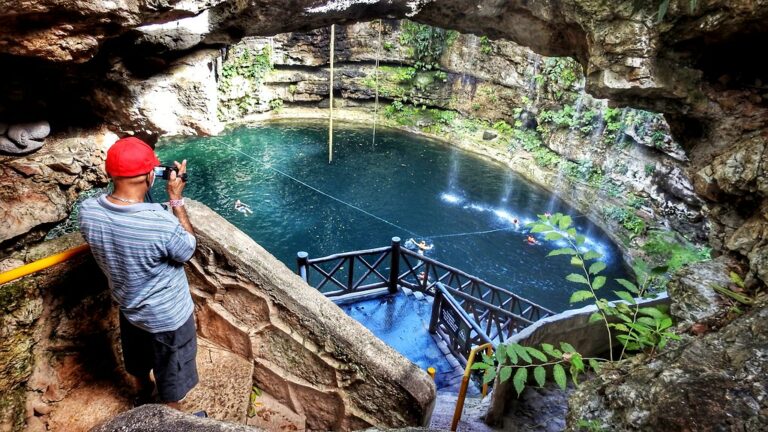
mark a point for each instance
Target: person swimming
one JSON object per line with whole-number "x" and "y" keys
{"x": 531, "y": 240}
{"x": 243, "y": 208}
{"x": 424, "y": 247}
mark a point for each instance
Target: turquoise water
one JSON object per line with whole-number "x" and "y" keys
{"x": 404, "y": 185}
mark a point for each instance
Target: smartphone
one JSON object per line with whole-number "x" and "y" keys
{"x": 164, "y": 172}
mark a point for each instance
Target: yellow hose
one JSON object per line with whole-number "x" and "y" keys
{"x": 42, "y": 264}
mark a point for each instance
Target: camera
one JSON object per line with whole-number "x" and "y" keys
{"x": 164, "y": 172}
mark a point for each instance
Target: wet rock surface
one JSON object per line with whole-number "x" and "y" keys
{"x": 159, "y": 418}
{"x": 695, "y": 300}
{"x": 715, "y": 382}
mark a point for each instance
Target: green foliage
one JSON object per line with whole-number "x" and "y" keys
{"x": 503, "y": 128}
{"x": 253, "y": 403}
{"x": 276, "y": 105}
{"x": 292, "y": 89}
{"x": 626, "y": 217}
{"x": 590, "y": 425}
{"x": 514, "y": 361}
{"x": 388, "y": 46}
{"x": 558, "y": 75}
{"x": 450, "y": 37}
{"x": 635, "y": 201}
{"x": 584, "y": 171}
{"x": 485, "y": 45}
{"x": 674, "y": 250}
{"x": 247, "y": 68}
{"x": 637, "y": 328}
{"x": 649, "y": 169}
{"x": 426, "y": 42}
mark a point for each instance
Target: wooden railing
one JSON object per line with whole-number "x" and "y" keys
{"x": 466, "y": 312}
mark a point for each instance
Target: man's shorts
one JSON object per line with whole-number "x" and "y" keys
{"x": 171, "y": 355}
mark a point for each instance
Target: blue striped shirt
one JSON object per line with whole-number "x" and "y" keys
{"x": 141, "y": 248}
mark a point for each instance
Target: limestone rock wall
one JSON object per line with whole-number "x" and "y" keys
{"x": 307, "y": 353}
{"x": 38, "y": 190}
{"x": 489, "y": 97}
{"x": 715, "y": 382}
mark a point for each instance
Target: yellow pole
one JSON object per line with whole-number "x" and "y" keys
{"x": 330, "y": 89}
{"x": 376, "y": 77}
{"x": 42, "y": 264}
{"x": 431, "y": 371}
{"x": 465, "y": 382}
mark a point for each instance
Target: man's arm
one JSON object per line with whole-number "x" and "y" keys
{"x": 175, "y": 189}
{"x": 181, "y": 213}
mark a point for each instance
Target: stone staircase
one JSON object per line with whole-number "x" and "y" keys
{"x": 89, "y": 397}
{"x": 471, "y": 419}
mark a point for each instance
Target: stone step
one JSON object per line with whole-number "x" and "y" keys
{"x": 471, "y": 419}
{"x": 225, "y": 384}
{"x": 92, "y": 395}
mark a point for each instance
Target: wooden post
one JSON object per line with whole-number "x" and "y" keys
{"x": 330, "y": 106}
{"x": 394, "y": 267}
{"x": 436, "y": 305}
{"x": 302, "y": 259}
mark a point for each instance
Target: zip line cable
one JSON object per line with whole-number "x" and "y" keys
{"x": 468, "y": 233}
{"x": 352, "y": 206}
{"x": 318, "y": 190}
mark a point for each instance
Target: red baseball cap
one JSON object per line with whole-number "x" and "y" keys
{"x": 129, "y": 157}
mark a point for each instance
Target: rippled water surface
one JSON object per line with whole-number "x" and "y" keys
{"x": 402, "y": 185}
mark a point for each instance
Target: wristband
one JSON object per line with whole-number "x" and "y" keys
{"x": 176, "y": 203}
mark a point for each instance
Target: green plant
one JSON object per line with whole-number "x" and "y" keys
{"x": 649, "y": 169}
{"x": 292, "y": 89}
{"x": 590, "y": 425}
{"x": 426, "y": 43}
{"x": 485, "y": 45}
{"x": 636, "y": 328}
{"x": 514, "y": 361}
{"x": 241, "y": 75}
{"x": 475, "y": 106}
{"x": 388, "y": 46}
{"x": 503, "y": 128}
{"x": 635, "y": 201}
{"x": 276, "y": 105}
{"x": 674, "y": 250}
{"x": 627, "y": 218}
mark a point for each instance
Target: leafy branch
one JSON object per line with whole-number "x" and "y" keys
{"x": 514, "y": 360}
{"x": 636, "y": 328}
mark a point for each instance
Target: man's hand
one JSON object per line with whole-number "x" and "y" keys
{"x": 175, "y": 184}
{"x": 175, "y": 188}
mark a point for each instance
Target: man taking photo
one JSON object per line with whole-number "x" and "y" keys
{"x": 141, "y": 248}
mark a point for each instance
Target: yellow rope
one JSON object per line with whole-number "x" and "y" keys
{"x": 376, "y": 76}
{"x": 330, "y": 113}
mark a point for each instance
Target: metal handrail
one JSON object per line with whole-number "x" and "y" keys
{"x": 475, "y": 279}
{"x": 488, "y": 347}
{"x": 348, "y": 254}
{"x": 42, "y": 264}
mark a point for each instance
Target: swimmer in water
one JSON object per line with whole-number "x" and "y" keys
{"x": 531, "y": 240}
{"x": 243, "y": 208}
{"x": 423, "y": 247}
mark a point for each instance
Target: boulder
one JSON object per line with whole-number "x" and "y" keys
{"x": 693, "y": 298}
{"x": 715, "y": 382}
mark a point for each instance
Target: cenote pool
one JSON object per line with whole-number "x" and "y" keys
{"x": 402, "y": 185}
